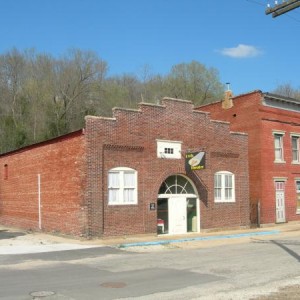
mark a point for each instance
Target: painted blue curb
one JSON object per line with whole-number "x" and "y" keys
{"x": 203, "y": 238}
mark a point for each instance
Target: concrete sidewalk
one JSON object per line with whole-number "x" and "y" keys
{"x": 16, "y": 241}
{"x": 206, "y": 239}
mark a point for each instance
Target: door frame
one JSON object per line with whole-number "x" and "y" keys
{"x": 280, "y": 188}
{"x": 176, "y": 189}
{"x": 186, "y": 196}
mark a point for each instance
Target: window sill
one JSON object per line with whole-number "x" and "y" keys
{"x": 121, "y": 204}
{"x": 295, "y": 162}
{"x": 226, "y": 201}
{"x": 298, "y": 212}
{"x": 279, "y": 161}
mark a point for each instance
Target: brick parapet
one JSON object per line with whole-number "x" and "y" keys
{"x": 135, "y": 133}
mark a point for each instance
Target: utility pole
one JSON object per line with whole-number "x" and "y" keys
{"x": 284, "y": 7}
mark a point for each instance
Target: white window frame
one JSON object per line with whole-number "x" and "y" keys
{"x": 297, "y": 195}
{"x": 120, "y": 188}
{"x": 221, "y": 189}
{"x": 168, "y": 149}
{"x": 278, "y": 148}
{"x": 297, "y": 149}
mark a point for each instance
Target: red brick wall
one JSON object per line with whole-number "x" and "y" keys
{"x": 244, "y": 117}
{"x": 249, "y": 115}
{"x": 74, "y": 172}
{"x": 289, "y": 122}
{"x": 61, "y": 165}
{"x": 129, "y": 140}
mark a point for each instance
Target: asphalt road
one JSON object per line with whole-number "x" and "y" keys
{"x": 229, "y": 271}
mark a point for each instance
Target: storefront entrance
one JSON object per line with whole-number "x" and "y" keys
{"x": 177, "y": 207}
{"x": 177, "y": 211}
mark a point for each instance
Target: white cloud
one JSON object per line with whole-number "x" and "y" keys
{"x": 241, "y": 51}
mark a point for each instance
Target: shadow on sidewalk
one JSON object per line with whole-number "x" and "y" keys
{"x": 283, "y": 244}
{"x": 5, "y": 234}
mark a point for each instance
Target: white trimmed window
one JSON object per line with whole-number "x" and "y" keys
{"x": 122, "y": 186}
{"x": 224, "y": 187}
{"x": 295, "y": 149}
{"x": 168, "y": 149}
{"x": 278, "y": 146}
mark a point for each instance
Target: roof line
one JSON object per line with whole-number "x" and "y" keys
{"x": 49, "y": 141}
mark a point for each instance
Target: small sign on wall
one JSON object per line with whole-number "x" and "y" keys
{"x": 152, "y": 206}
{"x": 195, "y": 161}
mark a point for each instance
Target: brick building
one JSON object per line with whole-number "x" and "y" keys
{"x": 161, "y": 168}
{"x": 273, "y": 125}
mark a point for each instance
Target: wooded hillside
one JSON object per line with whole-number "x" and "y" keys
{"x": 43, "y": 96}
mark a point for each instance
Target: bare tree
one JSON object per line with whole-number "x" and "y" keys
{"x": 193, "y": 81}
{"x": 287, "y": 90}
{"x": 74, "y": 78}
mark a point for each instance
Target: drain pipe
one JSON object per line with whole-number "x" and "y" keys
{"x": 258, "y": 214}
{"x": 39, "y": 201}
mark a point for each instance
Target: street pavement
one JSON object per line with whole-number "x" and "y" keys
{"x": 227, "y": 265}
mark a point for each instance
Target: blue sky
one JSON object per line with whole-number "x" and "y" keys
{"x": 249, "y": 49}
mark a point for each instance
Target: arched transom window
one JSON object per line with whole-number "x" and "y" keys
{"x": 176, "y": 184}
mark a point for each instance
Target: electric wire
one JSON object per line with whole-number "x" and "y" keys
{"x": 256, "y": 2}
{"x": 286, "y": 14}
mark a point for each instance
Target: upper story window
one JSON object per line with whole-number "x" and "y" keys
{"x": 168, "y": 149}
{"x": 278, "y": 146}
{"x": 122, "y": 186}
{"x": 224, "y": 187}
{"x": 295, "y": 148}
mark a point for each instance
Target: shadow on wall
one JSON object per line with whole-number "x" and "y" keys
{"x": 5, "y": 234}
{"x": 201, "y": 188}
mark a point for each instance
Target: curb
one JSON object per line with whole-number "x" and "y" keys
{"x": 205, "y": 238}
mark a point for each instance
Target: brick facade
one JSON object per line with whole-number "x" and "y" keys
{"x": 60, "y": 165}
{"x": 74, "y": 172}
{"x": 251, "y": 113}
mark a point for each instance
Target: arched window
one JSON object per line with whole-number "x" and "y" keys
{"x": 224, "y": 187}
{"x": 176, "y": 184}
{"x": 122, "y": 186}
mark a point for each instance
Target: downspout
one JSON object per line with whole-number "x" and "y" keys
{"x": 102, "y": 182}
{"x": 39, "y": 201}
{"x": 258, "y": 213}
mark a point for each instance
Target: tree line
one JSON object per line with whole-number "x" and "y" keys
{"x": 42, "y": 96}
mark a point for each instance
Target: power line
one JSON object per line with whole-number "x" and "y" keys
{"x": 256, "y": 2}
{"x": 284, "y": 7}
{"x": 287, "y": 15}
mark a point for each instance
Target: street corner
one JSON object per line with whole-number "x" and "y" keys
{"x": 15, "y": 241}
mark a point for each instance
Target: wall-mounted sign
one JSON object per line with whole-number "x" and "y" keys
{"x": 152, "y": 206}
{"x": 194, "y": 161}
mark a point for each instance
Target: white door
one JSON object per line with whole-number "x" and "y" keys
{"x": 177, "y": 215}
{"x": 280, "y": 203}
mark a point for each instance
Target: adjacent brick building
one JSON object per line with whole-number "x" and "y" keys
{"x": 273, "y": 125}
{"x": 165, "y": 168}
